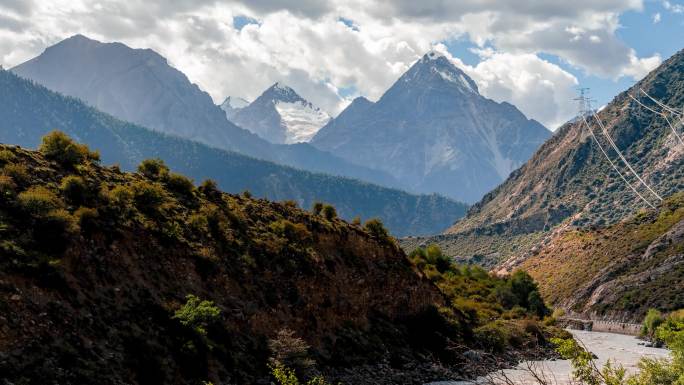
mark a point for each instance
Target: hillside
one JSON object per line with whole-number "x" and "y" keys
{"x": 618, "y": 271}
{"x": 142, "y": 87}
{"x": 568, "y": 181}
{"x": 435, "y": 132}
{"x": 142, "y": 278}
{"x": 29, "y": 111}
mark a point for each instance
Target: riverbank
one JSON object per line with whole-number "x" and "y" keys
{"x": 620, "y": 349}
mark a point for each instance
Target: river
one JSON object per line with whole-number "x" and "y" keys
{"x": 622, "y": 349}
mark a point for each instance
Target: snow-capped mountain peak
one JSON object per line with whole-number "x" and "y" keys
{"x": 280, "y": 115}
{"x": 436, "y": 67}
{"x": 232, "y": 105}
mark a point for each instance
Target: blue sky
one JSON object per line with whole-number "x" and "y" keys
{"x": 638, "y": 29}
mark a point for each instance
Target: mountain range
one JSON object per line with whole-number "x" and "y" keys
{"x": 280, "y": 115}
{"x": 435, "y": 132}
{"x": 140, "y": 86}
{"x": 28, "y": 111}
{"x": 592, "y": 230}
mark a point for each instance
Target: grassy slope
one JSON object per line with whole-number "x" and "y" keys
{"x": 620, "y": 270}
{"x": 91, "y": 280}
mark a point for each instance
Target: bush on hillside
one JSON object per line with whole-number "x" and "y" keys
{"x": 329, "y": 212}
{"x": 7, "y": 187}
{"x": 154, "y": 169}
{"x": 7, "y": 156}
{"x": 210, "y": 190}
{"x": 148, "y": 197}
{"x": 376, "y": 229}
{"x": 317, "y": 208}
{"x": 180, "y": 184}
{"x": 18, "y": 172}
{"x": 653, "y": 319}
{"x": 197, "y": 314}
{"x": 290, "y": 351}
{"x": 74, "y": 189}
{"x": 59, "y": 147}
{"x": 39, "y": 200}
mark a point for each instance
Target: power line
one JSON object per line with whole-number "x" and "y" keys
{"x": 663, "y": 105}
{"x": 614, "y": 166}
{"x": 583, "y": 106}
{"x": 624, "y": 160}
{"x": 674, "y": 131}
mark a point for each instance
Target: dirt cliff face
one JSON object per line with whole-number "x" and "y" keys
{"x": 94, "y": 269}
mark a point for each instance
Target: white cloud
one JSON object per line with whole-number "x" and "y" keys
{"x": 673, "y": 7}
{"x": 540, "y": 89}
{"x": 656, "y": 18}
{"x": 307, "y": 45}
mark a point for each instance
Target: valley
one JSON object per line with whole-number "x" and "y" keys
{"x": 324, "y": 193}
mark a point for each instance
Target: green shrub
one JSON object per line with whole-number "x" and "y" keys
{"x": 329, "y": 212}
{"x": 86, "y": 218}
{"x": 120, "y": 199}
{"x": 376, "y": 229}
{"x": 197, "y": 314}
{"x": 492, "y": 336}
{"x": 210, "y": 190}
{"x": 180, "y": 184}
{"x": 198, "y": 223}
{"x": 290, "y": 351}
{"x": 7, "y": 156}
{"x": 317, "y": 208}
{"x": 356, "y": 221}
{"x": 60, "y": 221}
{"x": 7, "y": 187}
{"x": 74, "y": 189}
{"x": 18, "y": 172}
{"x": 148, "y": 197}
{"x": 295, "y": 232}
{"x": 39, "y": 200}
{"x": 651, "y": 322}
{"x": 59, "y": 147}
{"x": 286, "y": 376}
{"x": 154, "y": 169}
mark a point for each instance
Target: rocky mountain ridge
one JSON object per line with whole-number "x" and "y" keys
{"x": 433, "y": 130}
{"x": 142, "y": 87}
{"x": 28, "y": 111}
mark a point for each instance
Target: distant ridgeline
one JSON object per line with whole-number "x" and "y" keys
{"x": 29, "y": 111}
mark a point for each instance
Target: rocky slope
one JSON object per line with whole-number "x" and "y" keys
{"x": 280, "y": 115}
{"x": 29, "y": 111}
{"x": 112, "y": 278}
{"x": 568, "y": 181}
{"x": 140, "y": 86}
{"x": 434, "y": 131}
{"x": 618, "y": 271}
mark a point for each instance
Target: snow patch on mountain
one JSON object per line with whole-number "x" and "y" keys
{"x": 301, "y": 120}
{"x": 232, "y": 105}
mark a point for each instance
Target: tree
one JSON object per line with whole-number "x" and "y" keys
{"x": 197, "y": 314}
{"x": 154, "y": 169}
{"x": 317, "y": 208}
{"x": 376, "y": 229}
{"x": 329, "y": 212}
{"x": 651, "y": 322}
{"x": 59, "y": 147}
